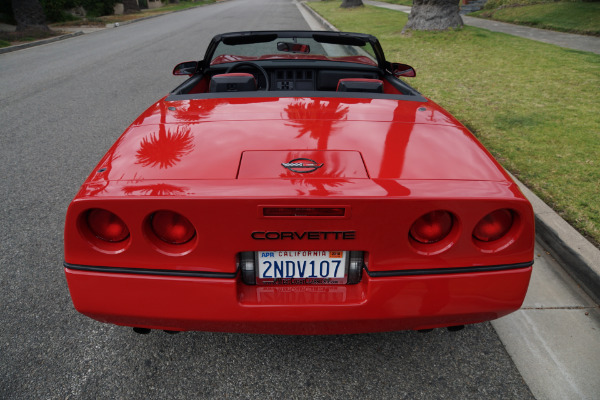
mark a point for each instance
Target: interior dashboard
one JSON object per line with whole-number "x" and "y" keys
{"x": 315, "y": 76}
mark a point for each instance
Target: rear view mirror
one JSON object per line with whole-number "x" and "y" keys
{"x": 186, "y": 68}
{"x": 289, "y": 47}
{"x": 404, "y": 70}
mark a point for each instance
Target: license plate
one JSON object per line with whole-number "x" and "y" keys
{"x": 302, "y": 267}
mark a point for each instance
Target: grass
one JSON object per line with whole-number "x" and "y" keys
{"x": 401, "y": 2}
{"x": 12, "y": 38}
{"x": 570, "y": 16}
{"x": 534, "y": 106}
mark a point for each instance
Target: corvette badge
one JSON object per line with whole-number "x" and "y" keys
{"x": 302, "y": 165}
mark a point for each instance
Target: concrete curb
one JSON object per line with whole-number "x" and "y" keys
{"x": 328, "y": 26}
{"x": 39, "y": 42}
{"x": 578, "y": 256}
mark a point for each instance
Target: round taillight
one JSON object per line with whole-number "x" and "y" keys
{"x": 107, "y": 226}
{"x": 432, "y": 227}
{"x": 494, "y": 225}
{"x": 172, "y": 227}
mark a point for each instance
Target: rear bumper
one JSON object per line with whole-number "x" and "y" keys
{"x": 228, "y": 305}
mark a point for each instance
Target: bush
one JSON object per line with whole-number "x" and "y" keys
{"x": 6, "y": 14}
{"x": 97, "y": 8}
{"x": 56, "y": 10}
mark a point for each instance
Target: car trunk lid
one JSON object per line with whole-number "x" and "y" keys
{"x": 384, "y": 139}
{"x": 289, "y": 164}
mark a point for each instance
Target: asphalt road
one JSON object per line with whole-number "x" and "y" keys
{"x": 61, "y": 106}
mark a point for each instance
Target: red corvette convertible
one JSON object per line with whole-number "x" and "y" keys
{"x": 294, "y": 184}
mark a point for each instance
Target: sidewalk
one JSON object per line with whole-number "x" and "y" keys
{"x": 568, "y": 40}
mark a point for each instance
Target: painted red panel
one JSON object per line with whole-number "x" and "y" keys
{"x": 394, "y": 138}
{"x": 376, "y": 304}
{"x": 225, "y": 213}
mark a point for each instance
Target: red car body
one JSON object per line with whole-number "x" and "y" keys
{"x": 300, "y": 172}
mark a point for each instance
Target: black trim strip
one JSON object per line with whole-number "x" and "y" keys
{"x": 276, "y": 94}
{"x": 232, "y": 275}
{"x": 445, "y": 271}
{"x": 145, "y": 271}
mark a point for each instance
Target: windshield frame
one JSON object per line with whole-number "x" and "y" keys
{"x": 324, "y": 37}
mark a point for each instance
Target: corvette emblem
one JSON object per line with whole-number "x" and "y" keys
{"x": 302, "y": 165}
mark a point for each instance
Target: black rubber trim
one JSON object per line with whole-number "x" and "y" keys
{"x": 445, "y": 271}
{"x": 276, "y": 94}
{"x": 232, "y": 275}
{"x": 143, "y": 271}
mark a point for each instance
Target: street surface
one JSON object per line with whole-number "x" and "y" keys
{"x": 61, "y": 106}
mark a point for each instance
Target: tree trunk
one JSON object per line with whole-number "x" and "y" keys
{"x": 351, "y": 3}
{"x": 29, "y": 15}
{"x": 434, "y": 15}
{"x": 130, "y": 6}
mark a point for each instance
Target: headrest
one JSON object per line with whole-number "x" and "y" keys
{"x": 234, "y": 82}
{"x": 360, "y": 85}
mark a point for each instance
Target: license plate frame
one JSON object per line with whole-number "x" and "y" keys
{"x": 308, "y": 267}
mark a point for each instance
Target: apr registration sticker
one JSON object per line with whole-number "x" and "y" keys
{"x": 302, "y": 267}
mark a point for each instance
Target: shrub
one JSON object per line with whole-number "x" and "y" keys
{"x": 56, "y": 10}
{"x": 97, "y": 8}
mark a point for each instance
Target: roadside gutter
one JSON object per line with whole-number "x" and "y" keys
{"x": 38, "y": 42}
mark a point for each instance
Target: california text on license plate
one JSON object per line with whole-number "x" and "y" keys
{"x": 302, "y": 267}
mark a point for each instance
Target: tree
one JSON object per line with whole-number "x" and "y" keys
{"x": 130, "y": 6}
{"x": 351, "y": 3}
{"x": 29, "y": 15}
{"x": 434, "y": 15}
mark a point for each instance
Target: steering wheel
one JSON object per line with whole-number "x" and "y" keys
{"x": 254, "y": 66}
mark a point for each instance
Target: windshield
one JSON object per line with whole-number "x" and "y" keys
{"x": 278, "y": 47}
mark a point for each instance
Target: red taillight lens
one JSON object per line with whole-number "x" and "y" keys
{"x": 172, "y": 227}
{"x": 432, "y": 227}
{"x": 494, "y": 225}
{"x": 107, "y": 226}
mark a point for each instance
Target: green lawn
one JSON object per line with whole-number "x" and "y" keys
{"x": 401, "y": 2}
{"x": 569, "y": 16}
{"x": 10, "y": 38}
{"x": 535, "y": 106}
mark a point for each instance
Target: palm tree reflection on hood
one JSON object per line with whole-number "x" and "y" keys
{"x": 317, "y": 117}
{"x": 156, "y": 189}
{"x": 166, "y": 148}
